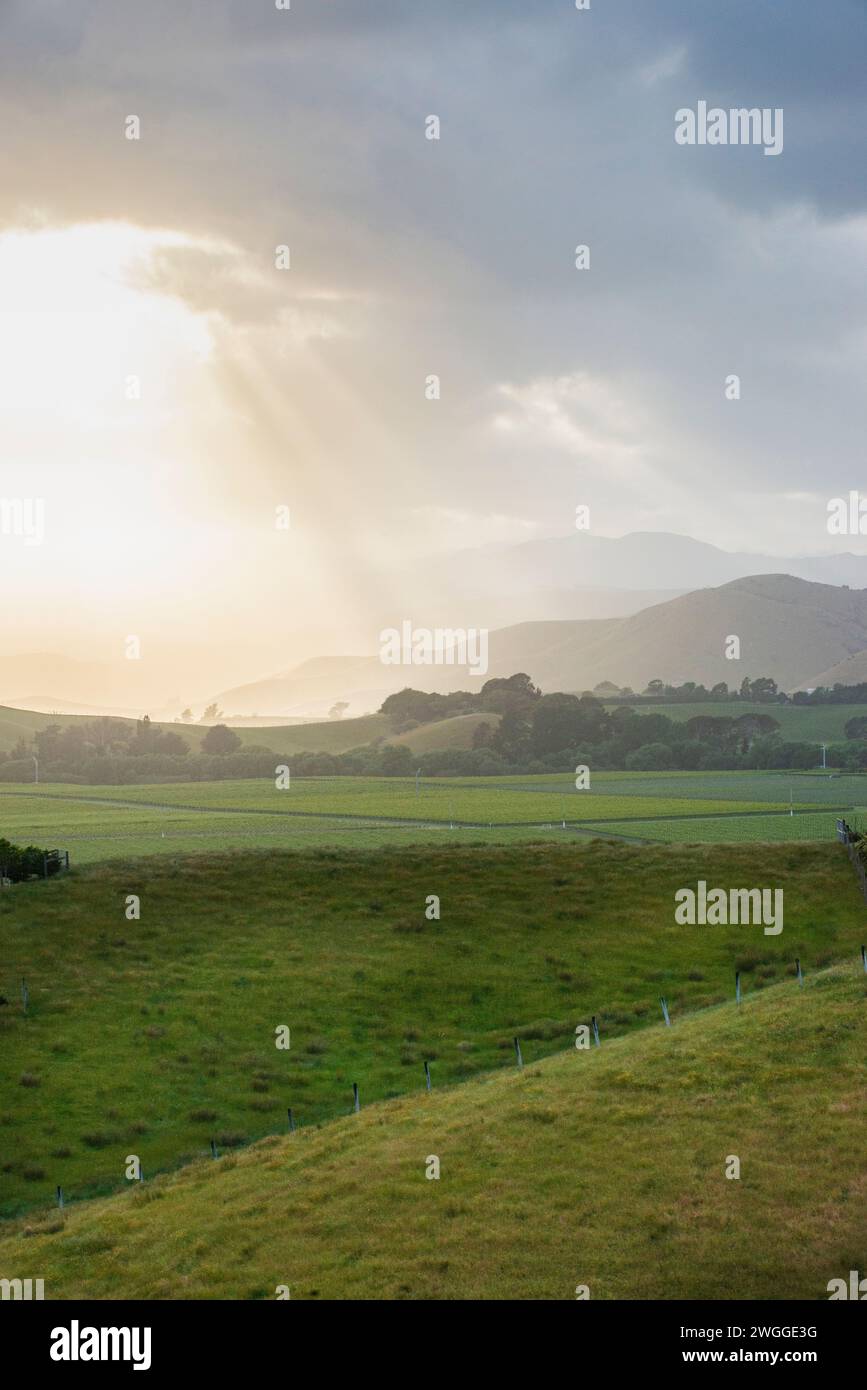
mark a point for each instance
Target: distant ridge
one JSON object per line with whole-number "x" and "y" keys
{"x": 789, "y": 628}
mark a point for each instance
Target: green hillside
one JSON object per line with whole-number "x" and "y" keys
{"x": 603, "y": 1168}
{"x": 332, "y": 736}
{"x": 153, "y": 1036}
{"x": 445, "y": 734}
{"x": 798, "y": 723}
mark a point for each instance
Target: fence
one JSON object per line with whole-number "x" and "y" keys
{"x": 851, "y": 838}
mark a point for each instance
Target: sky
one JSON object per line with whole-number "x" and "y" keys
{"x": 165, "y": 388}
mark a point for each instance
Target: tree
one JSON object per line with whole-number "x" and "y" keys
{"x": 749, "y": 727}
{"x": 512, "y": 737}
{"x": 211, "y": 714}
{"x": 520, "y": 684}
{"x": 396, "y": 760}
{"x": 764, "y": 688}
{"x": 651, "y": 757}
{"x": 220, "y": 740}
{"x": 710, "y": 726}
{"x": 338, "y": 710}
{"x": 482, "y": 735}
{"x": 186, "y": 716}
{"x": 561, "y": 722}
{"x": 509, "y": 694}
{"x": 856, "y": 728}
{"x": 150, "y": 738}
{"x": 654, "y": 688}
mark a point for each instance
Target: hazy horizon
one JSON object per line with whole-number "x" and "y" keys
{"x": 239, "y": 464}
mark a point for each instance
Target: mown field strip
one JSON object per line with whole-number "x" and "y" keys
{"x": 395, "y": 801}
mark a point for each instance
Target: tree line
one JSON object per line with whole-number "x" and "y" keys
{"x": 527, "y": 732}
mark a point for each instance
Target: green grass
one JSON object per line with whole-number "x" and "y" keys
{"x": 152, "y": 1036}
{"x": 102, "y": 831}
{"x": 715, "y": 830}
{"x": 109, "y": 822}
{"x": 603, "y": 1168}
{"x": 798, "y": 723}
{"x": 445, "y": 734}
{"x": 332, "y": 736}
{"x": 480, "y": 802}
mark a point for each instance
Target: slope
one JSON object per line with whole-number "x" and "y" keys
{"x": 154, "y": 1035}
{"x": 329, "y": 736}
{"x": 788, "y": 628}
{"x": 603, "y": 1168}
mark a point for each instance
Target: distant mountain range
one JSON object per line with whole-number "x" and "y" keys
{"x": 571, "y": 610}
{"x": 642, "y": 560}
{"x": 788, "y": 628}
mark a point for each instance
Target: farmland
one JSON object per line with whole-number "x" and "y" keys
{"x": 153, "y": 1036}
{"x": 331, "y": 736}
{"x": 798, "y": 723}
{"x": 604, "y": 1168}
{"x": 103, "y": 822}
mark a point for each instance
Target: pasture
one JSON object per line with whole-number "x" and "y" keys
{"x": 152, "y": 1036}
{"x": 798, "y": 723}
{"x": 109, "y": 822}
{"x": 604, "y": 1168}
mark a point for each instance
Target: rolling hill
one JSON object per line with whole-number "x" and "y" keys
{"x": 331, "y": 736}
{"x": 456, "y": 732}
{"x": 155, "y": 1035}
{"x": 789, "y": 628}
{"x": 603, "y": 1168}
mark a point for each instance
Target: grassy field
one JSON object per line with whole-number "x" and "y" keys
{"x": 603, "y": 1168}
{"x": 154, "y": 1036}
{"x": 445, "y": 733}
{"x": 332, "y": 736}
{"x": 106, "y": 822}
{"x": 722, "y": 830}
{"x": 798, "y": 723}
{"x": 483, "y": 801}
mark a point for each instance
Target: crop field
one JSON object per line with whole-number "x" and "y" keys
{"x": 101, "y": 822}
{"x": 153, "y": 1036}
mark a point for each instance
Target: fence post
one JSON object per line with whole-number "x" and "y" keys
{"x": 214, "y": 1153}
{"x": 355, "y": 1096}
{"x": 518, "y": 1054}
{"x": 427, "y": 1074}
{"x": 664, "y": 1003}
{"x": 737, "y": 986}
{"x": 864, "y": 958}
{"x": 60, "y": 1198}
{"x": 291, "y": 1120}
{"x": 595, "y": 1030}
{"x": 799, "y": 970}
